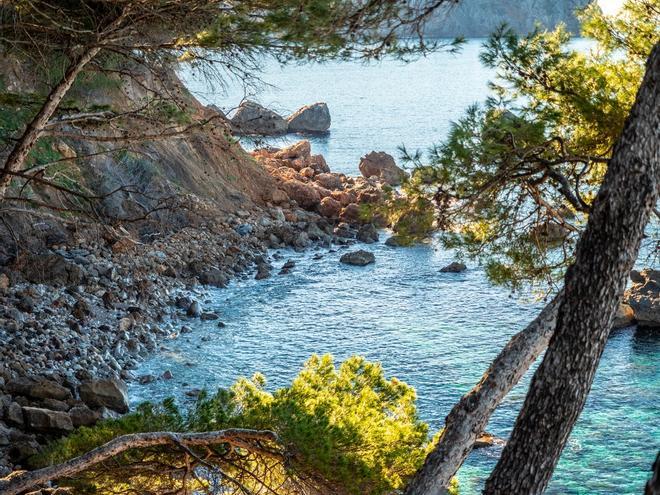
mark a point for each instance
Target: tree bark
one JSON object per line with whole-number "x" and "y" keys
{"x": 469, "y": 417}
{"x": 19, "y": 482}
{"x": 22, "y": 148}
{"x": 593, "y": 286}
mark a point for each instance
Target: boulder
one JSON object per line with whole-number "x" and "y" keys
{"x": 310, "y": 118}
{"x": 45, "y": 420}
{"x": 350, "y": 213}
{"x": 488, "y": 440}
{"x": 329, "y": 180}
{"x": 624, "y": 317}
{"x": 318, "y": 163}
{"x": 395, "y": 241}
{"x": 358, "y": 258}
{"x": 644, "y": 297}
{"x": 252, "y": 118}
{"x": 50, "y": 269}
{"x": 329, "y": 207}
{"x": 110, "y": 393}
{"x": 301, "y": 149}
{"x": 83, "y": 416}
{"x": 38, "y": 388}
{"x": 383, "y": 166}
{"x": 367, "y": 234}
{"x": 305, "y": 195}
{"x": 454, "y": 267}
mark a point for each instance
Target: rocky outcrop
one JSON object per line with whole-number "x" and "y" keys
{"x": 382, "y": 166}
{"x": 624, "y": 317}
{"x": 358, "y": 258}
{"x": 644, "y": 297}
{"x": 252, "y": 118}
{"x": 313, "y": 118}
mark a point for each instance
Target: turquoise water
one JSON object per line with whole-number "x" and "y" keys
{"x": 436, "y": 331}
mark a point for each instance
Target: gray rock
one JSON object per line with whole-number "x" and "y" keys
{"x": 358, "y": 258}
{"x": 83, "y": 416}
{"x": 367, "y": 234}
{"x": 310, "y": 118}
{"x": 45, "y": 420}
{"x": 194, "y": 310}
{"x": 109, "y": 393}
{"x": 51, "y": 269}
{"x": 454, "y": 267}
{"x": 395, "y": 241}
{"x": 38, "y": 388}
{"x": 252, "y": 118}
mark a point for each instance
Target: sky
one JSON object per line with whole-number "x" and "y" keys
{"x": 610, "y": 7}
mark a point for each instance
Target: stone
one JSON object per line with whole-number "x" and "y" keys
{"x": 194, "y": 310}
{"x": 329, "y": 180}
{"x": 263, "y": 272}
{"x": 210, "y": 316}
{"x": 624, "y": 317}
{"x": 312, "y": 118}
{"x": 213, "y": 277}
{"x": 50, "y": 269}
{"x": 488, "y": 440}
{"x": 4, "y": 281}
{"x": 644, "y": 297}
{"x": 350, "y": 213}
{"x": 81, "y": 310}
{"x": 367, "y": 234}
{"x": 305, "y": 195}
{"x": 383, "y": 166}
{"x": 83, "y": 416}
{"x": 45, "y": 420}
{"x": 329, "y": 207}
{"x": 454, "y": 267}
{"x": 318, "y": 163}
{"x": 38, "y": 388}
{"x": 300, "y": 150}
{"x": 253, "y": 118}
{"x": 110, "y": 393}
{"x": 358, "y": 258}
{"x": 395, "y": 241}
{"x": 167, "y": 375}
{"x": 278, "y": 196}
{"x": 14, "y": 414}
{"x": 145, "y": 379}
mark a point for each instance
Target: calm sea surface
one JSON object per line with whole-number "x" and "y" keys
{"x": 436, "y": 331}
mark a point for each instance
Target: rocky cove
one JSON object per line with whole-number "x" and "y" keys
{"x": 78, "y": 320}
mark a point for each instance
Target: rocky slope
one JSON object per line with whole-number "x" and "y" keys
{"x": 479, "y": 18}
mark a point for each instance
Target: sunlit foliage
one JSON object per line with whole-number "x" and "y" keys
{"x": 342, "y": 429}
{"x": 514, "y": 181}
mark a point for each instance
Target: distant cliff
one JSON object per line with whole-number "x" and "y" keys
{"x": 479, "y": 18}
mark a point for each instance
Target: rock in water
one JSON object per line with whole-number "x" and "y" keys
{"x": 454, "y": 267}
{"x": 105, "y": 393}
{"x": 381, "y": 165}
{"x": 367, "y": 234}
{"x": 644, "y": 297}
{"x": 624, "y": 317}
{"x": 252, "y": 118}
{"x": 358, "y": 258}
{"x": 195, "y": 310}
{"x": 310, "y": 118}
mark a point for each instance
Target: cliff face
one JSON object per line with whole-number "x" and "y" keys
{"x": 479, "y": 18}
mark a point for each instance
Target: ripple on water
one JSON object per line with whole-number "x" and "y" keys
{"x": 436, "y": 331}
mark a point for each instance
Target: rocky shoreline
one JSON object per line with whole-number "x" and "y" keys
{"x": 76, "y": 320}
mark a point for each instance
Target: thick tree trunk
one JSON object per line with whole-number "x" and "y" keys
{"x": 21, "y": 150}
{"x": 605, "y": 255}
{"x": 469, "y": 417}
{"x": 19, "y": 482}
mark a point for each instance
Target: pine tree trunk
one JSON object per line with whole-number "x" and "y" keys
{"x": 469, "y": 417}
{"x": 24, "y": 145}
{"x": 605, "y": 255}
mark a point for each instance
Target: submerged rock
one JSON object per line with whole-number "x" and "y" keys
{"x": 358, "y": 258}
{"x": 454, "y": 267}
{"x": 310, "y": 118}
